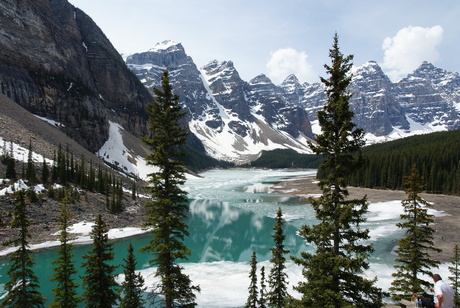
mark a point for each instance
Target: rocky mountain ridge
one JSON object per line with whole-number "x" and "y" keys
{"x": 425, "y": 101}
{"x": 233, "y": 119}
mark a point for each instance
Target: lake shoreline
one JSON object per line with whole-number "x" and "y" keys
{"x": 446, "y": 236}
{"x": 447, "y": 227}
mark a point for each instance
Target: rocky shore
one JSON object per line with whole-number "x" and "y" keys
{"x": 44, "y": 216}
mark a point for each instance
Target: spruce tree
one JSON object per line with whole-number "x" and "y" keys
{"x": 23, "y": 286}
{"x": 277, "y": 279}
{"x": 10, "y": 168}
{"x": 83, "y": 178}
{"x": 100, "y": 288}
{"x": 263, "y": 289}
{"x": 30, "y": 170}
{"x": 65, "y": 291}
{"x": 455, "y": 271}
{"x": 253, "y": 289}
{"x": 62, "y": 166}
{"x": 45, "y": 172}
{"x": 133, "y": 285}
{"x": 168, "y": 208}
{"x": 55, "y": 168}
{"x": 10, "y": 162}
{"x": 134, "y": 190}
{"x": 413, "y": 253}
{"x": 333, "y": 271}
{"x": 100, "y": 181}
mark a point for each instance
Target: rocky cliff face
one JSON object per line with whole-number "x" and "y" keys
{"x": 375, "y": 102}
{"x": 431, "y": 96}
{"x": 57, "y": 63}
{"x": 269, "y": 102}
{"x": 228, "y": 88}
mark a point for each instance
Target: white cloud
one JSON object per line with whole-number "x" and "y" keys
{"x": 405, "y": 51}
{"x": 290, "y": 61}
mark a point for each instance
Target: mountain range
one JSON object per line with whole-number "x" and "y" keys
{"x": 425, "y": 101}
{"x": 57, "y": 64}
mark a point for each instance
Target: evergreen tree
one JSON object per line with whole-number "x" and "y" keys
{"x": 62, "y": 166}
{"x": 253, "y": 290}
{"x": 30, "y": 170}
{"x": 113, "y": 207}
{"x": 119, "y": 204}
{"x": 333, "y": 272}
{"x": 168, "y": 207}
{"x": 72, "y": 168}
{"x": 10, "y": 162}
{"x": 100, "y": 288}
{"x": 455, "y": 278}
{"x": 263, "y": 289}
{"x": 100, "y": 181}
{"x": 413, "y": 253}
{"x": 54, "y": 169}
{"x": 65, "y": 291}
{"x": 23, "y": 285}
{"x": 10, "y": 168}
{"x": 277, "y": 279}
{"x": 83, "y": 177}
{"x": 91, "y": 177}
{"x": 134, "y": 190}
{"x": 45, "y": 172}
{"x": 133, "y": 285}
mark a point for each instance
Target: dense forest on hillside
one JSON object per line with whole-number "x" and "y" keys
{"x": 436, "y": 156}
{"x": 283, "y": 158}
{"x": 196, "y": 161}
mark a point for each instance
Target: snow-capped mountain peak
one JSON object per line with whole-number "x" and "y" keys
{"x": 234, "y": 120}
{"x": 165, "y": 45}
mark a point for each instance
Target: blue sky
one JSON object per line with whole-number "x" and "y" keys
{"x": 277, "y": 38}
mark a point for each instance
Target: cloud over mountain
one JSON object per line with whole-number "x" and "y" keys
{"x": 288, "y": 61}
{"x": 408, "y": 48}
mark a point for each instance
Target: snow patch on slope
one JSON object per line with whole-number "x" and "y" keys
{"x": 163, "y": 45}
{"x": 115, "y": 153}
{"x": 20, "y": 153}
{"x": 398, "y": 133}
{"x": 226, "y": 145}
{"x": 52, "y": 122}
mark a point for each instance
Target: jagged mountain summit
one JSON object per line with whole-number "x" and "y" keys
{"x": 425, "y": 101}
{"x": 233, "y": 119}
